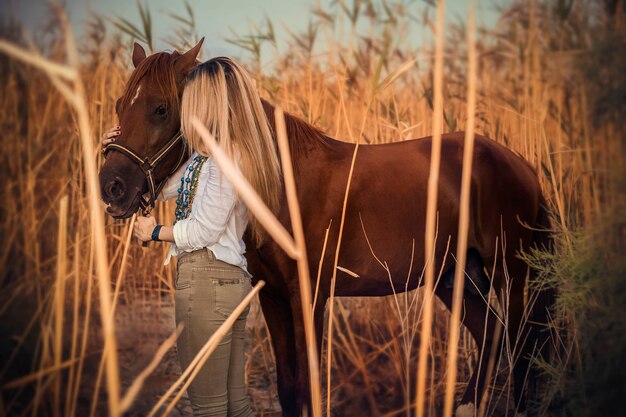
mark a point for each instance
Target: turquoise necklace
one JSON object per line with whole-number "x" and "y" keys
{"x": 187, "y": 189}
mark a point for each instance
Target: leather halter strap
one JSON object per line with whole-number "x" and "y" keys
{"x": 147, "y": 166}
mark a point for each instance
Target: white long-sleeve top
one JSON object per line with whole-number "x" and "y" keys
{"x": 217, "y": 220}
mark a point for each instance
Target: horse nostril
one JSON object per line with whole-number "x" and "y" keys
{"x": 114, "y": 189}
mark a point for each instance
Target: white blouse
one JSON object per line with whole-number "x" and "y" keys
{"x": 218, "y": 218}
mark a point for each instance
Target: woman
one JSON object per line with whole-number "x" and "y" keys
{"x": 210, "y": 221}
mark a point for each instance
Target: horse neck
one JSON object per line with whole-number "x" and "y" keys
{"x": 306, "y": 143}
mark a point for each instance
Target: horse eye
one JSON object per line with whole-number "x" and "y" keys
{"x": 161, "y": 110}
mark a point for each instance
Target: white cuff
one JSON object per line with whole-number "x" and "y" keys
{"x": 180, "y": 234}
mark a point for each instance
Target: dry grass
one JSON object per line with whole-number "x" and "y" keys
{"x": 70, "y": 347}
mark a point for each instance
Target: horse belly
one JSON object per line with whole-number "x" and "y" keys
{"x": 381, "y": 252}
{"x": 382, "y": 247}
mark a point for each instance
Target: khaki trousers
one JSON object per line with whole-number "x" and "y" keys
{"x": 207, "y": 291}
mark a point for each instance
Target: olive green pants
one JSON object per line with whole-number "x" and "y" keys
{"x": 207, "y": 291}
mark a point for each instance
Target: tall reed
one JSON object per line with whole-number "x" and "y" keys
{"x": 358, "y": 73}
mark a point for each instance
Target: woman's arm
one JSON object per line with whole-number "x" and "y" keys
{"x": 166, "y": 234}
{"x": 211, "y": 211}
{"x": 144, "y": 227}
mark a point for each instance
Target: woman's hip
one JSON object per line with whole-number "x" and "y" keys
{"x": 208, "y": 284}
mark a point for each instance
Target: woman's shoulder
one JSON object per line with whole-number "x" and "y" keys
{"x": 207, "y": 165}
{"x": 211, "y": 165}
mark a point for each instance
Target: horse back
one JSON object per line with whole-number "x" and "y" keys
{"x": 384, "y": 222}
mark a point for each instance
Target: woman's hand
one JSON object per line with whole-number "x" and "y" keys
{"x": 144, "y": 227}
{"x": 110, "y": 136}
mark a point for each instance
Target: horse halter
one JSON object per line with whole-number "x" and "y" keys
{"x": 147, "y": 166}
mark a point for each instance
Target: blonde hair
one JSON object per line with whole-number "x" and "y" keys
{"x": 221, "y": 94}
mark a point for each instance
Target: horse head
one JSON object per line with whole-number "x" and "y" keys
{"x": 150, "y": 147}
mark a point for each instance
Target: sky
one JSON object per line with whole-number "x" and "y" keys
{"x": 215, "y": 19}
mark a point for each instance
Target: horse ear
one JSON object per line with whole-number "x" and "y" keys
{"x": 139, "y": 54}
{"x": 186, "y": 61}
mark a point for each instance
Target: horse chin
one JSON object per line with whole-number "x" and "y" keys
{"x": 121, "y": 213}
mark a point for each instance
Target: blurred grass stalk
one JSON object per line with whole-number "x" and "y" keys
{"x": 461, "y": 247}
{"x": 118, "y": 287}
{"x": 333, "y": 282}
{"x": 524, "y": 100}
{"x": 59, "y": 301}
{"x": 75, "y": 95}
{"x": 431, "y": 213}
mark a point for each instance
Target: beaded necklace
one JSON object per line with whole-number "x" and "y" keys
{"x": 187, "y": 189}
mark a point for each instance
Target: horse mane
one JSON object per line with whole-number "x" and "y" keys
{"x": 159, "y": 69}
{"x": 302, "y": 136}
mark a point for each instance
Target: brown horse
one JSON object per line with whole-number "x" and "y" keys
{"x": 386, "y": 206}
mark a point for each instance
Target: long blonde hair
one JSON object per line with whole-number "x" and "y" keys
{"x": 221, "y": 94}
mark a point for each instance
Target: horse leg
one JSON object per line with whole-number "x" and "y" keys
{"x": 521, "y": 349}
{"x": 475, "y": 315}
{"x": 302, "y": 365}
{"x": 279, "y": 319}
{"x": 510, "y": 287}
{"x": 301, "y": 350}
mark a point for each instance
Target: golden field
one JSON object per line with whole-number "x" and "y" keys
{"x": 82, "y": 303}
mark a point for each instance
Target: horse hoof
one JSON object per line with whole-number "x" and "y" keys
{"x": 465, "y": 410}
